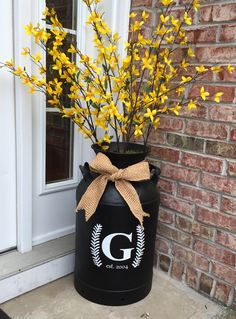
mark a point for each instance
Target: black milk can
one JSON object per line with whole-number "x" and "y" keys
{"x": 114, "y": 254}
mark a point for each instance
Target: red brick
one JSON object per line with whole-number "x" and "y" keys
{"x": 208, "y": 164}
{"x": 191, "y": 258}
{"x": 165, "y": 216}
{"x": 205, "y": 129}
{"x": 214, "y": 252}
{"x": 226, "y": 273}
{"x": 228, "y": 33}
{"x": 219, "y": 183}
{"x": 177, "y": 270}
{"x": 224, "y": 12}
{"x": 226, "y": 239}
{"x": 164, "y": 263}
{"x": 184, "y": 224}
{"x": 174, "y": 234}
{"x": 206, "y": 283}
{"x": 203, "y": 34}
{"x": 193, "y": 227}
{"x": 177, "y": 204}
{"x": 231, "y": 169}
{"x": 171, "y": 124}
{"x": 143, "y": 3}
{"x": 201, "y": 263}
{"x": 228, "y": 93}
{"x": 222, "y": 113}
{"x": 228, "y": 205}
{"x": 224, "y": 75}
{"x": 233, "y": 134}
{"x": 199, "y": 196}
{"x": 166, "y": 154}
{"x": 157, "y": 137}
{"x": 191, "y": 277}
{"x": 202, "y": 231}
{"x": 206, "y": 14}
{"x": 216, "y": 54}
{"x": 218, "y": 13}
{"x": 167, "y": 186}
{"x": 162, "y": 245}
{"x": 179, "y": 173}
{"x": 217, "y": 148}
{"x": 215, "y": 218}
{"x": 222, "y": 292}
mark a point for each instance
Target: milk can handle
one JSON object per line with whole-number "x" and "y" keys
{"x": 155, "y": 173}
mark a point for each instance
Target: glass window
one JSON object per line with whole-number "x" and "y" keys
{"x": 66, "y": 11}
{"x": 60, "y": 131}
{"x": 59, "y": 148}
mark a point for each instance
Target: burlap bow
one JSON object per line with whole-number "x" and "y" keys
{"x": 122, "y": 178}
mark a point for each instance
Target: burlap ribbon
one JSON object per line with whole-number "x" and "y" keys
{"x": 122, "y": 178}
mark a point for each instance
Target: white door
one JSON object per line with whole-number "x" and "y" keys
{"x": 49, "y": 148}
{"x": 57, "y": 149}
{"x": 7, "y": 135}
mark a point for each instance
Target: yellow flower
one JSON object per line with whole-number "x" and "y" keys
{"x": 216, "y": 69}
{"x": 132, "y": 15}
{"x": 169, "y": 39}
{"x": 187, "y": 19}
{"x": 25, "y": 51}
{"x": 230, "y": 68}
{"x": 191, "y": 53}
{"x": 201, "y": 69}
{"x": 185, "y": 79}
{"x": 9, "y": 63}
{"x": 196, "y": 5}
{"x": 166, "y": 2}
{"x": 37, "y": 57}
{"x": 217, "y": 97}
{"x": 147, "y": 61}
{"x": 150, "y": 114}
{"x": 106, "y": 138}
{"x": 72, "y": 49}
{"x": 29, "y": 29}
{"x": 138, "y": 130}
{"x": 175, "y": 22}
{"x": 176, "y": 109}
{"x": 184, "y": 64}
{"x": 145, "y": 15}
{"x": 192, "y": 105}
{"x": 204, "y": 93}
{"x": 19, "y": 71}
{"x": 126, "y": 62}
{"x": 180, "y": 90}
{"x": 156, "y": 123}
{"x": 164, "y": 19}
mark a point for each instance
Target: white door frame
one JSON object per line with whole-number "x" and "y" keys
{"x": 23, "y": 14}
{"x": 23, "y": 106}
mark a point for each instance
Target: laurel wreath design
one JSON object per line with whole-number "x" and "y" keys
{"x": 140, "y": 246}
{"x": 95, "y": 245}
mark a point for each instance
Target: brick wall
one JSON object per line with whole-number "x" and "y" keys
{"x": 196, "y": 240}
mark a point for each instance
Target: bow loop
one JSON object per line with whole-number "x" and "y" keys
{"x": 122, "y": 178}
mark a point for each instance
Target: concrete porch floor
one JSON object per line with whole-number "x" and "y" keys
{"x": 168, "y": 300}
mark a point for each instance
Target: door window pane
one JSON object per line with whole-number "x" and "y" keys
{"x": 66, "y": 12}
{"x": 59, "y": 148}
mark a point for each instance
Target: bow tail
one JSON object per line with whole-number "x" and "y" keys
{"x": 128, "y": 192}
{"x": 89, "y": 201}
